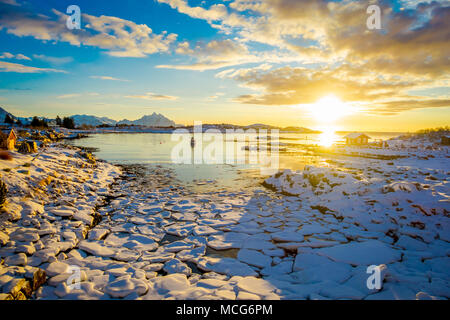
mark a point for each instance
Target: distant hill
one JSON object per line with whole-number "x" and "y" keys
{"x": 299, "y": 130}
{"x": 153, "y": 120}
{"x": 82, "y": 119}
{"x": 3, "y": 114}
{"x": 260, "y": 126}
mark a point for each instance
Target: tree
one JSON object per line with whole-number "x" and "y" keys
{"x": 58, "y": 121}
{"x": 37, "y": 123}
{"x": 68, "y": 123}
{"x": 9, "y": 119}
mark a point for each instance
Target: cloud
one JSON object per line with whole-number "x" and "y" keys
{"x": 11, "y": 2}
{"x": 215, "y": 54}
{"x": 215, "y": 96}
{"x": 295, "y": 86}
{"x": 152, "y": 96}
{"x": 338, "y": 54}
{"x": 19, "y": 56}
{"x": 108, "y": 78}
{"x": 20, "y": 68}
{"x": 397, "y": 106}
{"x": 118, "y": 37}
{"x": 68, "y": 96}
{"x": 53, "y": 60}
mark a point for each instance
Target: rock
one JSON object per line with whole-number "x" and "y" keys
{"x": 17, "y": 285}
{"x": 176, "y": 266}
{"x": 170, "y": 283}
{"x": 56, "y": 268}
{"x": 96, "y": 248}
{"x": 254, "y": 258}
{"x": 228, "y": 266}
{"x": 211, "y": 283}
{"x": 121, "y": 287}
{"x": 242, "y": 295}
{"x": 6, "y": 296}
{"x": 204, "y": 231}
{"x": 27, "y": 249}
{"x": 257, "y": 286}
{"x": 84, "y": 217}
{"x": 4, "y": 238}
{"x": 423, "y": 296}
{"x": 191, "y": 255}
{"x": 177, "y": 246}
{"x": 126, "y": 255}
{"x": 372, "y": 252}
{"x": 39, "y": 278}
{"x": 62, "y": 212}
{"x": 227, "y": 241}
{"x": 19, "y": 259}
{"x": 24, "y": 235}
{"x": 98, "y": 234}
{"x": 283, "y": 236}
{"x": 339, "y": 291}
{"x": 157, "y": 256}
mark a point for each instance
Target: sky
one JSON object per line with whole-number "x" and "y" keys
{"x": 310, "y": 63}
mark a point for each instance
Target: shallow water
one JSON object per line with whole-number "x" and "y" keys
{"x": 158, "y": 148}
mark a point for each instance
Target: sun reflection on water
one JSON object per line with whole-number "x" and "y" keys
{"x": 328, "y": 137}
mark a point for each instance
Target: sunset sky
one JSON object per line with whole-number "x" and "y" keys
{"x": 279, "y": 62}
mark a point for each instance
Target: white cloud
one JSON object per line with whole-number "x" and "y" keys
{"x": 19, "y": 56}
{"x": 119, "y": 37}
{"x": 53, "y": 60}
{"x": 108, "y": 78}
{"x": 68, "y": 96}
{"x": 20, "y": 68}
{"x": 152, "y": 96}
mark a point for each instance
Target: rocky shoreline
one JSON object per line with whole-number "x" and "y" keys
{"x": 52, "y": 203}
{"x": 136, "y": 232}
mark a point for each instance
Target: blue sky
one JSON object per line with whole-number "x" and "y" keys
{"x": 232, "y": 61}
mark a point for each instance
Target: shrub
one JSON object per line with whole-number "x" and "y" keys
{"x": 3, "y": 193}
{"x": 3, "y": 138}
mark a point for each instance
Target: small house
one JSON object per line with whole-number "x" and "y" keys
{"x": 356, "y": 138}
{"x": 445, "y": 140}
{"x": 11, "y": 140}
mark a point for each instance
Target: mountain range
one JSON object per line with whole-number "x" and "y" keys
{"x": 153, "y": 120}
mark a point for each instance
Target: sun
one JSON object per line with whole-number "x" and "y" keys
{"x": 329, "y": 109}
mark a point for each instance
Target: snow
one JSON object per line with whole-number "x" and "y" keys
{"x": 362, "y": 253}
{"x": 312, "y": 236}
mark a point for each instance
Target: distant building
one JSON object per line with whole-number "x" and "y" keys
{"x": 11, "y": 140}
{"x": 356, "y": 138}
{"x": 445, "y": 140}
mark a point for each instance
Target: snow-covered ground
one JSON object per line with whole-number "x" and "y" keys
{"x": 312, "y": 237}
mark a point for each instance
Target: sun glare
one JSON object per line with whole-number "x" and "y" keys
{"x": 329, "y": 109}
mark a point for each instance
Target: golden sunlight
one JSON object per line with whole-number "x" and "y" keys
{"x": 327, "y": 138}
{"x": 329, "y": 109}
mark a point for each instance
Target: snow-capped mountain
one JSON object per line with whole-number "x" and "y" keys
{"x": 153, "y": 120}
{"x": 81, "y": 119}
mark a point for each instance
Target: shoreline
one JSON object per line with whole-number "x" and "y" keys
{"x": 158, "y": 239}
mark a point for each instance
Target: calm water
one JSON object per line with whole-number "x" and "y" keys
{"x": 157, "y": 149}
